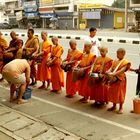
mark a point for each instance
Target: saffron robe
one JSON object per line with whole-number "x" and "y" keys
{"x": 117, "y": 90}
{"x": 71, "y": 87}
{"x": 98, "y": 91}
{"x": 57, "y": 74}
{"x": 43, "y": 71}
{"x": 83, "y": 88}
{"x": 3, "y": 46}
{"x": 32, "y": 47}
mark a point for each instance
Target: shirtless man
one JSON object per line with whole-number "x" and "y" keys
{"x": 17, "y": 72}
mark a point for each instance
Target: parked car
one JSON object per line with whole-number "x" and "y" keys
{"x": 5, "y": 26}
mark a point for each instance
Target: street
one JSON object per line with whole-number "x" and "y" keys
{"x": 83, "y": 120}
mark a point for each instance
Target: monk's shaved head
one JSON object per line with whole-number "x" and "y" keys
{"x": 13, "y": 33}
{"x": 45, "y": 33}
{"x": 54, "y": 38}
{"x": 87, "y": 43}
{"x": 102, "y": 48}
{"x": 121, "y": 50}
{"x": 72, "y": 41}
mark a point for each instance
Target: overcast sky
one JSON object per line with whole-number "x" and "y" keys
{"x": 107, "y": 2}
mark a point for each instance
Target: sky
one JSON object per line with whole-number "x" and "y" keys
{"x": 106, "y": 2}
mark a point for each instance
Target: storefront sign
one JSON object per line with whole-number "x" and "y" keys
{"x": 46, "y": 15}
{"x": 30, "y": 4}
{"x": 31, "y": 9}
{"x": 31, "y": 15}
{"x": 91, "y": 15}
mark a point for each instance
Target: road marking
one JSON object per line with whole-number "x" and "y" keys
{"x": 85, "y": 114}
{"x": 89, "y": 115}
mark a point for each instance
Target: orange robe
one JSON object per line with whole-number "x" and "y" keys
{"x": 71, "y": 87}
{"x": 117, "y": 90}
{"x": 32, "y": 46}
{"x": 57, "y": 74}
{"x": 43, "y": 71}
{"x": 98, "y": 91}
{"x": 83, "y": 88}
{"x": 3, "y": 46}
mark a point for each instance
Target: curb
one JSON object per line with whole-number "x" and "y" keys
{"x": 123, "y": 40}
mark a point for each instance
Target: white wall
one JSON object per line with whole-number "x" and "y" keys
{"x": 3, "y": 18}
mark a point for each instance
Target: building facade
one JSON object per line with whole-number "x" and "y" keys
{"x": 3, "y": 17}
{"x": 135, "y": 5}
{"x": 10, "y": 6}
{"x": 31, "y": 13}
{"x": 102, "y": 16}
{"x": 64, "y": 10}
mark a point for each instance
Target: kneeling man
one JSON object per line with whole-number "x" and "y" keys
{"x": 17, "y": 72}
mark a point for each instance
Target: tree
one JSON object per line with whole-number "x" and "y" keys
{"x": 119, "y": 4}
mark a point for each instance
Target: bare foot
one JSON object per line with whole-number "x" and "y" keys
{"x": 120, "y": 111}
{"x": 13, "y": 99}
{"x": 21, "y": 101}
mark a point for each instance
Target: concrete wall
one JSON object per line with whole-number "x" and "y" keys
{"x": 3, "y": 18}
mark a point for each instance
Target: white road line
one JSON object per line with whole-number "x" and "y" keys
{"x": 90, "y": 116}
{"x": 85, "y": 114}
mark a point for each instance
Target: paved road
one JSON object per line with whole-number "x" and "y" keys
{"x": 132, "y": 51}
{"x": 82, "y": 119}
{"x": 105, "y": 32}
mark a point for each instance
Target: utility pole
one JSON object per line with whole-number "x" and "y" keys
{"x": 126, "y": 14}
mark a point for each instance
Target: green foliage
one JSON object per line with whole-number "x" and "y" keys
{"x": 119, "y": 4}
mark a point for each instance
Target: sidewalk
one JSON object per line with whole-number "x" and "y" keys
{"x": 54, "y": 111}
{"x": 15, "y": 125}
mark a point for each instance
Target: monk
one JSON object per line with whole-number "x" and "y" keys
{"x": 3, "y": 47}
{"x": 73, "y": 56}
{"x": 98, "y": 91}
{"x": 43, "y": 71}
{"x": 31, "y": 48}
{"x": 15, "y": 48}
{"x": 57, "y": 74}
{"x": 85, "y": 65}
{"x": 117, "y": 81}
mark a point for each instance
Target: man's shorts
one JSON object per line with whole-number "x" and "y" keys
{"x": 19, "y": 79}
